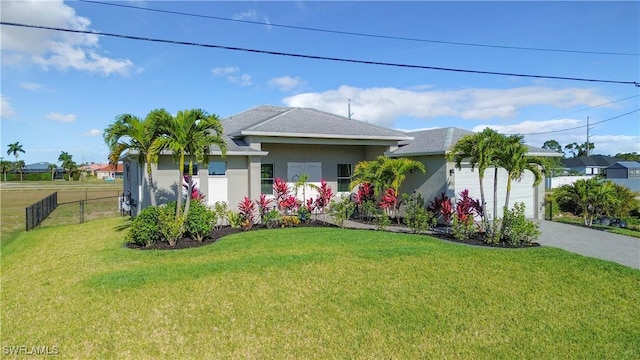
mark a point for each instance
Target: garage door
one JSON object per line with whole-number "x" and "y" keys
{"x": 522, "y": 191}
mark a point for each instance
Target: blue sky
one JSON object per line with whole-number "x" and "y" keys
{"x": 60, "y": 90}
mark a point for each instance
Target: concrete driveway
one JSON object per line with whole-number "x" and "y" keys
{"x": 603, "y": 245}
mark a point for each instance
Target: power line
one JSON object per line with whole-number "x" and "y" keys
{"x": 582, "y": 126}
{"x": 362, "y": 34}
{"x": 315, "y": 57}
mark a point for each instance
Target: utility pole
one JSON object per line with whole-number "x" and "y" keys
{"x": 587, "y": 136}
{"x": 349, "y": 113}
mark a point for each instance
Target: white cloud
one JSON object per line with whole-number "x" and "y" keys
{"x": 64, "y": 118}
{"x": 232, "y": 76}
{"x": 51, "y": 48}
{"x": 6, "y": 110}
{"x": 542, "y": 131}
{"x": 92, "y": 133}
{"x": 287, "y": 83}
{"x": 383, "y": 105}
{"x": 253, "y": 15}
{"x": 31, "y": 86}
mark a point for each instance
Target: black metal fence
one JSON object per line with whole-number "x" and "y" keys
{"x": 37, "y": 212}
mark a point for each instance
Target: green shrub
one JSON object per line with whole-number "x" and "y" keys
{"x": 417, "y": 217}
{"x": 383, "y": 220}
{"x": 341, "y": 210}
{"x": 171, "y": 229}
{"x": 200, "y": 221}
{"x": 220, "y": 209}
{"x": 144, "y": 230}
{"x": 516, "y": 228}
{"x": 271, "y": 218}
{"x": 290, "y": 220}
{"x": 463, "y": 229}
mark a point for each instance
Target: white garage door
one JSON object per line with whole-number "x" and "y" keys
{"x": 313, "y": 170}
{"x": 522, "y": 191}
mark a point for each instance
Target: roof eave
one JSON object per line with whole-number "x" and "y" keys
{"x": 323, "y": 136}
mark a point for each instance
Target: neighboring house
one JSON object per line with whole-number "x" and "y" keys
{"x": 590, "y": 165}
{"x": 110, "y": 172}
{"x": 41, "y": 167}
{"x": 269, "y": 142}
{"x": 92, "y": 169}
{"x": 626, "y": 173}
{"x": 430, "y": 146}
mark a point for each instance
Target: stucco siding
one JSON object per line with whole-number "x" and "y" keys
{"x": 430, "y": 184}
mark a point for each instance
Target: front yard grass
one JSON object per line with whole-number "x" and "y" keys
{"x": 311, "y": 293}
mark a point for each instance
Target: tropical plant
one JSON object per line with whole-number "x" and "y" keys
{"x": 70, "y": 167}
{"x": 19, "y": 166}
{"x": 52, "y": 169}
{"x": 341, "y": 210}
{"x": 512, "y": 157}
{"x": 441, "y": 205}
{"x": 129, "y": 133}
{"x": 264, "y": 207}
{"x": 479, "y": 150}
{"x": 5, "y": 167}
{"x": 189, "y": 136}
{"x": 15, "y": 149}
{"x": 324, "y": 196}
{"x": 234, "y": 219}
{"x": 171, "y": 228}
{"x": 591, "y": 198}
{"x": 303, "y": 182}
{"x": 247, "y": 210}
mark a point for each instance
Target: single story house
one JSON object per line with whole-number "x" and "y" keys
{"x": 269, "y": 142}
{"x": 589, "y": 165}
{"x": 626, "y": 173}
{"x": 40, "y": 167}
{"x": 110, "y": 172}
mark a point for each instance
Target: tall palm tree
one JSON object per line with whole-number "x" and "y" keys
{"x": 398, "y": 168}
{"x": 513, "y": 158}
{"x": 189, "y": 136}
{"x": 52, "y": 169}
{"x": 129, "y": 133}
{"x": 15, "y": 149}
{"x": 479, "y": 150}
{"x": 19, "y": 167}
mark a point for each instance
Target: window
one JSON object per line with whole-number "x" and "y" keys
{"x": 344, "y": 177}
{"x": 185, "y": 170}
{"x": 266, "y": 178}
{"x": 217, "y": 168}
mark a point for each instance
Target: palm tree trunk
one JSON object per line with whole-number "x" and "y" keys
{"x": 152, "y": 189}
{"x": 485, "y": 217}
{"x": 181, "y": 165}
{"x": 506, "y": 200}
{"x": 187, "y": 203}
{"x": 495, "y": 194}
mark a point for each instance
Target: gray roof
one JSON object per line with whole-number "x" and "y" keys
{"x": 279, "y": 121}
{"x": 37, "y": 166}
{"x": 625, "y": 164}
{"x": 592, "y": 161}
{"x": 439, "y": 141}
{"x": 435, "y": 141}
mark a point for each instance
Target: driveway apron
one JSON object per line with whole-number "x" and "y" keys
{"x": 599, "y": 244}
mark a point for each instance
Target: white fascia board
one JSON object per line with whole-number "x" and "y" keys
{"x": 324, "y": 136}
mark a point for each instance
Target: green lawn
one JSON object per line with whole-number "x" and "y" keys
{"x": 312, "y": 293}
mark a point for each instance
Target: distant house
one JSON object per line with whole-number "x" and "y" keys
{"x": 109, "y": 172}
{"x": 40, "y": 167}
{"x": 626, "y": 173}
{"x": 590, "y": 165}
{"x": 269, "y": 142}
{"x": 92, "y": 169}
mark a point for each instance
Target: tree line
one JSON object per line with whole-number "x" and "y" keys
{"x": 69, "y": 166}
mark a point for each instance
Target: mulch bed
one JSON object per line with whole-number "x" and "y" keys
{"x": 216, "y": 235}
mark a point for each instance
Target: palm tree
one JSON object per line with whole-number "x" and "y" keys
{"x": 512, "y": 157}
{"x": 52, "y": 169}
{"x": 15, "y": 149}
{"x": 69, "y": 166}
{"x": 189, "y": 136}
{"x": 19, "y": 167}
{"x": 479, "y": 149}
{"x": 5, "y": 167}
{"x": 129, "y": 133}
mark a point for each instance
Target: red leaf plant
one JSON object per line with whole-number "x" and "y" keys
{"x": 247, "y": 209}
{"x": 442, "y": 205}
{"x": 324, "y": 196}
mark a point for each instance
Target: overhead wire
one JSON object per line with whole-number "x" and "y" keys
{"x": 379, "y": 36}
{"x": 582, "y": 126}
{"x": 316, "y": 57}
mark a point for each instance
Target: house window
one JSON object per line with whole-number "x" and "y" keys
{"x": 266, "y": 178}
{"x": 185, "y": 170}
{"x": 218, "y": 168}
{"x": 344, "y": 177}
